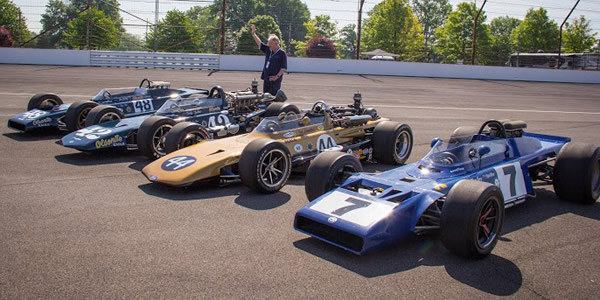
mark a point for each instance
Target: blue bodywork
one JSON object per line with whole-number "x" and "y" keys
{"x": 212, "y": 113}
{"x": 131, "y": 101}
{"x": 369, "y": 211}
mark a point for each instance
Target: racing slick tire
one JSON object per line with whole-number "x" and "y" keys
{"x": 577, "y": 173}
{"x": 392, "y": 142}
{"x": 77, "y": 114}
{"x": 327, "y": 171}
{"x": 472, "y": 218}
{"x": 274, "y": 109}
{"x": 265, "y": 165}
{"x": 152, "y": 135}
{"x": 103, "y": 113}
{"x": 184, "y": 134}
{"x": 43, "y": 101}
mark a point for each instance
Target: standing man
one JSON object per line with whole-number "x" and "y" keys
{"x": 275, "y": 62}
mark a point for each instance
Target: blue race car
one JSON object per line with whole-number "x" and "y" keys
{"x": 460, "y": 189}
{"x": 193, "y": 119}
{"x": 48, "y": 110}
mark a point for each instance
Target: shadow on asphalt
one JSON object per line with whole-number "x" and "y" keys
{"x": 493, "y": 274}
{"x": 210, "y": 189}
{"x": 99, "y": 157}
{"x": 42, "y": 134}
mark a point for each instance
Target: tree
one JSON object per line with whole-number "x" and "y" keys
{"x": 500, "y": 30}
{"x": 393, "y": 27}
{"x": 578, "y": 37}
{"x": 347, "y": 42}
{"x": 5, "y": 37}
{"x": 9, "y": 18}
{"x": 431, "y": 14}
{"x": 130, "y": 42}
{"x": 536, "y": 32}
{"x": 208, "y": 23}
{"x": 320, "y": 26}
{"x": 109, "y": 7}
{"x": 104, "y": 34}
{"x": 176, "y": 33}
{"x": 57, "y": 12}
{"x": 455, "y": 38}
{"x": 321, "y": 47}
{"x": 265, "y": 25}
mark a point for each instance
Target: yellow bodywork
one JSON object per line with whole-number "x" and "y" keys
{"x": 211, "y": 156}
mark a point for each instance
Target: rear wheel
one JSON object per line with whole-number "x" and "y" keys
{"x": 392, "y": 142}
{"x": 274, "y": 109}
{"x": 265, "y": 165}
{"x": 103, "y": 113}
{"x": 43, "y": 101}
{"x": 328, "y": 171}
{"x": 184, "y": 134}
{"x": 77, "y": 114}
{"x": 472, "y": 218}
{"x": 577, "y": 173}
{"x": 152, "y": 135}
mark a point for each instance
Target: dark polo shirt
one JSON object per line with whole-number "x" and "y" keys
{"x": 274, "y": 61}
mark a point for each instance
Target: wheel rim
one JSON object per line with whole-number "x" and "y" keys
{"x": 48, "y": 103}
{"x": 487, "y": 225}
{"x": 158, "y": 139}
{"x": 273, "y": 168}
{"x": 82, "y": 117}
{"x": 402, "y": 145}
{"x": 191, "y": 138}
{"x": 342, "y": 174}
{"x": 110, "y": 116}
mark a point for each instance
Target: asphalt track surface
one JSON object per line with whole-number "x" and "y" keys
{"x": 77, "y": 225}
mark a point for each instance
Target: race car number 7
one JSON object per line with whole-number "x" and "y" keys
{"x": 143, "y": 106}
{"x": 511, "y": 182}
{"x": 356, "y": 204}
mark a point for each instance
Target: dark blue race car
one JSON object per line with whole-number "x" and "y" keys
{"x": 460, "y": 189}
{"x": 180, "y": 122}
{"x": 48, "y": 110}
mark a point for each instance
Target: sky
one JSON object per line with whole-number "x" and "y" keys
{"x": 342, "y": 11}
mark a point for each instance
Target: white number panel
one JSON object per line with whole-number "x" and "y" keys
{"x": 141, "y": 106}
{"x": 358, "y": 211}
{"x": 511, "y": 181}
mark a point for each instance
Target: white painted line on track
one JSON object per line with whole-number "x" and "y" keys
{"x": 467, "y": 108}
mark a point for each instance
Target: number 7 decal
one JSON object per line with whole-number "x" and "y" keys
{"x": 510, "y": 170}
{"x": 356, "y": 204}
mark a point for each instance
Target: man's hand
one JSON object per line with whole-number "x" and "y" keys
{"x": 273, "y": 78}
{"x": 253, "y": 28}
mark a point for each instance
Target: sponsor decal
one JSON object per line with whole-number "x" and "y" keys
{"x": 457, "y": 170}
{"x": 324, "y": 142}
{"x": 114, "y": 141}
{"x": 332, "y": 220}
{"x": 42, "y": 122}
{"x": 204, "y": 124}
{"x": 128, "y": 109}
{"x": 178, "y": 163}
{"x": 298, "y": 148}
{"x": 309, "y": 146}
{"x": 321, "y": 127}
{"x": 212, "y": 109}
{"x": 439, "y": 187}
{"x": 289, "y": 134}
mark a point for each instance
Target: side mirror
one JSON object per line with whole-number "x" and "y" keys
{"x": 483, "y": 150}
{"x": 280, "y": 96}
{"x": 434, "y": 141}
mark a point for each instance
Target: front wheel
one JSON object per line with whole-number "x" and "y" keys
{"x": 577, "y": 173}
{"x": 152, "y": 135}
{"x": 43, "y": 101}
{"x": 265, "y": 165}
{"x": 77, "y": 114}
{"x": 184, "y": 134}
{"x": 329, "y": 170}
{"x": 103, "y": 113}
{"x": 392, "y": 142}
{"x": 472, "y": 218}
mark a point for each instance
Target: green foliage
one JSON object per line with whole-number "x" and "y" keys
{"x": 109, "y": 7}
{"x": 9, "y": 18}
{"x": 130, "y": 42}
{"x": 456, "y": 36}
{"x": 320, "y": 26}
{"x": 500, "y": 30}
{"x": 347, "y": 42}
{"x": 104, "y": 33}
{"x": 209, "y": 24}
{"x": 431, "y": 14}
{"x": 536, "y": 32}
{"x": 578, "y": 37}
{"x": 393, "y": 27}
{"x": 265, "y": 25}
{"x": 176, "y": 33}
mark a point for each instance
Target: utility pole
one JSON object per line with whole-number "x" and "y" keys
{"x": 358, "y": 29}
{"x": 87, "y": 28}
{"x": 20, "y": 29}
{"x": 222, "y": 39}
{"x": 156, "y": 26}
{"x": 560, "y": 34}
{"x": 475, "y": 33}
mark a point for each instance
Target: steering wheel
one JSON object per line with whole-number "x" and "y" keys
{"x": 446, "y": 158}
{"x": 106, "y": 95}
{"x": 319, "y": 107}
{"x": 273, "y": 126}
{"x": 493, "y": 123}
{"x": 217, "y": 92}
{"x": 147, "y": 82}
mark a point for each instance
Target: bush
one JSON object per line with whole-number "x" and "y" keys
{"x": 320, "y": 47}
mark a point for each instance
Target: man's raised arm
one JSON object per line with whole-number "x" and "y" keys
{"x": 254, "y": 36}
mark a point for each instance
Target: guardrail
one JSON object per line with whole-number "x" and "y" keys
{"x": 154, "y": 60}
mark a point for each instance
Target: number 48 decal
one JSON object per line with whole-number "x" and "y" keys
{"x": 143, "y": 106}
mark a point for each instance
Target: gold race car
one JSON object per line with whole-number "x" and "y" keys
{"x": 264, "y": 158}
